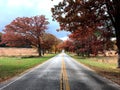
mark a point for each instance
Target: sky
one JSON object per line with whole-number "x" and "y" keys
{"x": 11, "y": 9}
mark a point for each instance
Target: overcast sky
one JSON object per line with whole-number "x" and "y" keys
{"x": 11, "y": 9}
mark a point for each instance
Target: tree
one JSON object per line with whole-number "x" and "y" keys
{"x": 25, "y": 31}
{"x": 49, "y": 42}
{"x": 66, "y": 45}
{"x": 93, "y": 41}
{"x": 0, "y": 38}
{"x": 1, "y": 44}
{"x": 72, "y": 14}
{"x": 60, "y": 46}
{"x": 113, "y": 7}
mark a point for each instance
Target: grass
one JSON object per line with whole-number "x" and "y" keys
{"x": 11, "y": 66}
{"x": 102, "y": 67}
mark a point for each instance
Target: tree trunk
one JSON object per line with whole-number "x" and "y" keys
{"x": 117, "y": 27}
{"x": 39, "y": 50}
{"x": 55, "y": 51}
{"x": 118, "y": 60}
{"x": 43, "y": 51}
{"x": 115, "y": 18}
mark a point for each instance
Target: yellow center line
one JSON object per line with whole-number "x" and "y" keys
{"x": 64, "y": 84}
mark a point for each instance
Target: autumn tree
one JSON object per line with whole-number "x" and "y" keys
{"x": 49, "y": 42}
{"x": 72, "y": 14}
{"x": 25, "y": 31}
{"x": 91, "y": 42}
{"x": 1, "y": 44}
{"x": 113, "y": 7}
{"x": 60, "y": 46}
{"x": 66, "y": 45}
{"x": 0, "y": 38}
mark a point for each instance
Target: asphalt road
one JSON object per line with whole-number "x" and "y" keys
{"x": 59, "y": 73}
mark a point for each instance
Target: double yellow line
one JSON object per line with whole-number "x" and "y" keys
{"x": 64, "y": 84}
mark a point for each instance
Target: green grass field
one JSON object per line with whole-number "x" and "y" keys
{"x": 106, "y": 69}
{"x": 11, "y": 66}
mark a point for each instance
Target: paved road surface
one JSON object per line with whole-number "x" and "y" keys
{"x": 60, "y": 73}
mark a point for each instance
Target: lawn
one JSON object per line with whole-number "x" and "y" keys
{"x": 104, "y": 66}
{"x": 11, "y": 66}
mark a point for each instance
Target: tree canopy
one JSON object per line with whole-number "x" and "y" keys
{"x": 88, "y": 16}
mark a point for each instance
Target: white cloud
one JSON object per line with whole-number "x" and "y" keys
{"x": 64, "y": 38}
{"x": 46, "y": 6}
{"x": 113, "y": 39}
{"x": 20, "y": 3}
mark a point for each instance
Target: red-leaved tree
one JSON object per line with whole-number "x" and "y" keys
{"x": 95, "y": 14}
{"x": 49, "y": 43}
{"x": 25, "y": 31}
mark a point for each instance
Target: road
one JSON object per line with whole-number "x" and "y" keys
{"x": 59, "y": 73}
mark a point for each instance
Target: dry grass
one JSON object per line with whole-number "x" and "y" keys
{"x": 105, "y": 66}
{"x": 18, "y": 52}
{"x": 107, "y": 59}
